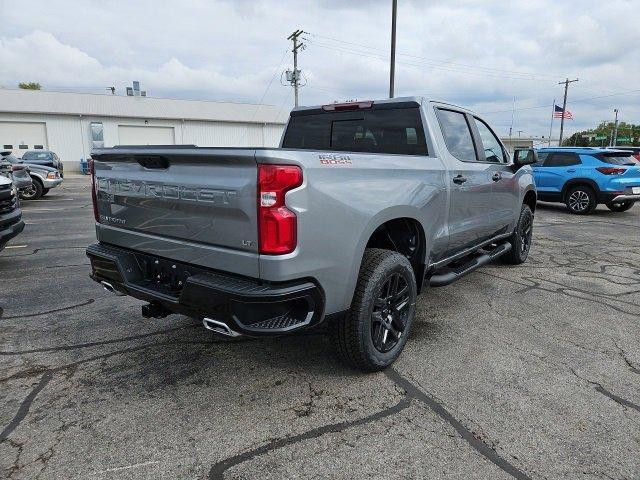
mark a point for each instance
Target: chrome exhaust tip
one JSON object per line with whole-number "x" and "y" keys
{"x": 219, "y": 327}
{"x": 109, "y": 288}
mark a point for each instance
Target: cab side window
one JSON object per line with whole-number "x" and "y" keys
{"x": 457, "y": 135}
{"x": 542, "y": 157}
{"x": 493, "y": 150}
{"x": 562, "y": 160}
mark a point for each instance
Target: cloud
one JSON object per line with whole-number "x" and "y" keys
{"x": 480, "y": 55}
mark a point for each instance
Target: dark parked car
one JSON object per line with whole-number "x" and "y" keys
{"x": 44, "y": 157}
{"x": 43, "y": 178}
{"x": 11, "y": 223}
{"x": 15, "y": 171}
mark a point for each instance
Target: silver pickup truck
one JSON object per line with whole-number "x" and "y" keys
{"x": 362, "y": 207}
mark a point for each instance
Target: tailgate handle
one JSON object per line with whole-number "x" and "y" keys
{"x": 153, "y": 162}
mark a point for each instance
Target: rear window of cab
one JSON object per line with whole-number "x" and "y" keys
{"x": 395, "y": 131}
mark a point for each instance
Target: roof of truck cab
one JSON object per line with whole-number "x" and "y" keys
{"x": 382, "y": 101}
{"x": 417, "y": 100}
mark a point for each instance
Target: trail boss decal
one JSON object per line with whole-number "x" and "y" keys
{"x": 335, "y": 160}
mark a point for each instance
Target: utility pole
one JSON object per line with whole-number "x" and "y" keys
{"x": 392, "y": 70}
{"x": 614, "y": 138}
{"x": 295, "y": 77}
{"x": 564, "y": 106}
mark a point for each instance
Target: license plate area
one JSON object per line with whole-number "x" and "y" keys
{"x": 635, "y": 190}
{"x": 163, "y": 275}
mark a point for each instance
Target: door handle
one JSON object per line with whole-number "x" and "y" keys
{"x": 459, "y": 179}
{"x": 496, "y": 177}
{"x": 571, "y": 170}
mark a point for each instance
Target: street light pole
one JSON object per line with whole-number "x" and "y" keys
{"x": 392, "y": 71}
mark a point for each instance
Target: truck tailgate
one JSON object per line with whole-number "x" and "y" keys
{"x": 196, "y": 205}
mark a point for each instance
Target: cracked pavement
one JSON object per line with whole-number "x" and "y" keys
{"x": 529, "y": 372}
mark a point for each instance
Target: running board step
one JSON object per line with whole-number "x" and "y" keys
{"x": 456, "y": 273}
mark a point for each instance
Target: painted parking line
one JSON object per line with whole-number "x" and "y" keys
{"x": 16, "y": 246}
{"x": 43, "y": 209}
{"x": 55, "y": 199}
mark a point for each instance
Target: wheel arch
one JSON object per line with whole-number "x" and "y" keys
{"x": 394, "y": 230}
{"x": 574, "y": 182}
{"x": 36, "y": 177}
{"x": 531, "y": 199}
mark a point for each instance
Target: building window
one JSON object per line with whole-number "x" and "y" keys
{"x": 24, "y": 147}
{"x": 8, "y": 147}
{"x": 97, "y": 134}
{"x": 38, "y": 147}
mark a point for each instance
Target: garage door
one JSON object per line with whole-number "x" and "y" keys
{"x": 139, "y": 135}
{"x": 22, "y": 136}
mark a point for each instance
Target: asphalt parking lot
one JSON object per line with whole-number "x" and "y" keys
{"x": 525, "y": 372}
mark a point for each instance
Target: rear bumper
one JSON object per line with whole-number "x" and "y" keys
{"x": 248, "y": 306}
{"x": 624, "y": 196}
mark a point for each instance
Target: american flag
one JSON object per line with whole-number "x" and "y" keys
{"x": 559, "y": 113}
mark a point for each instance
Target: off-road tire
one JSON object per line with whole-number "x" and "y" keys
{"x": 352, "y": 334}
{"x": 582, "y": 194}
{"x": 521, "y": 238}
{"x": 620, "y": 206}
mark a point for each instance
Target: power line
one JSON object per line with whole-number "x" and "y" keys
{"x": 424, "y": 64}
{"x": 264, "y": 94}
{"x": 580, "y": 100}
{"x": 436, "y": 61}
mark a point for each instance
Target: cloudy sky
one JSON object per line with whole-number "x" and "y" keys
{"x": 479, "y": 54}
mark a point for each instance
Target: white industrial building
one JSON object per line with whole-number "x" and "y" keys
{"x": 71, "y": 124}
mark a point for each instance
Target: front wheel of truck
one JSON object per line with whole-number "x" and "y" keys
{"x": 374, "y": 331}
{"x": 521, "y": 238}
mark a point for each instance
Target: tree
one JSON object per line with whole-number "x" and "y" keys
{"x": 601, "y": 135}
{"x": 30, "y": 86}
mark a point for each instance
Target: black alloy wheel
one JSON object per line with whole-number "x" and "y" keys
{"x": 390, "y": 313}
{"x": 375, "y": 330}
{"x": 521, "y": 239}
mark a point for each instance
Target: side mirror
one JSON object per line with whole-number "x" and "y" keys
{"x": 524, "y": 156}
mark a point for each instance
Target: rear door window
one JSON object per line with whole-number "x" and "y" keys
{"x": 493, "y": 150}
{"x": 562, "y": 160}
{"x": 457, "y": 135}
{"x": 542, "y": 156}
{"x": 394, "y": 131}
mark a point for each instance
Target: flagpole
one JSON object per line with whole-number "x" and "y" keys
{"x": 553, "y": 110}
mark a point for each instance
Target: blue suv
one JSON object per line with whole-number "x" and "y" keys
{"x": 584, "y": 177}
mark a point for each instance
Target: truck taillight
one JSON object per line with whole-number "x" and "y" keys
{"x": 277, "y": 226}
{"x": 611, "y": 170}
{"x": 94, "y": 197}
